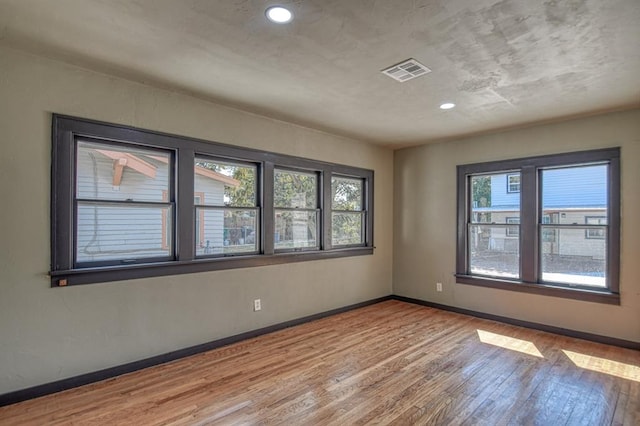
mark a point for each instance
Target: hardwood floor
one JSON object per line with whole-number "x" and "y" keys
{"x": 389, "y": 363}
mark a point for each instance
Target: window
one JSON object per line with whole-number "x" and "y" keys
{"x": 295, "y": 199}
{"x": 557, "y": 235}
{"x": 575, "y": 192}
{"x": 596, "y": 233}
{"x": 348, "y": 215}
{"x": 118, "y": 204}
{"x": 492, "y": 250}
{"x": 226, "y": 213}
{"x": 513, "y": 183}
{"x": 130, "y": 203}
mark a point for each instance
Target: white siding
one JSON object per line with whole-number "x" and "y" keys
{"x": 114, "y": 232}
{"x": 128, "y": 231}
{"x": 119, "y": 231}
{"x": 211, "y": 221}
{"x": 95, "y": 179}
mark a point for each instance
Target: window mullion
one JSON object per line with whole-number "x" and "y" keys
{"x": 613, "y": 225}
{"x": 463, "y": 209}
{"x": 326, "y": 201}
{"x": 185, "y": 214}
{"x": 268, "y": 211}
{"x": 63, "y": 218}
{"x": 368, "y": 208}
{"x": 529, "y": 224}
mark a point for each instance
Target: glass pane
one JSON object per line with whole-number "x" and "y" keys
{"x": 121, "y": 232}
{"x": 346, "y": 228}
{"x": 295, "y": 229}
{"x": 223, "y": 231}
{"x": 491, "y": 200}
{"x": 109, "y": 172}
{"x": 225, "y": 184}
{"x": 570, "y": 256}
{"x": 492, "y": 252}
{"x": 295, "y": 189}
{"x": 571, "y": 195}
{"x": 346, "y": 193}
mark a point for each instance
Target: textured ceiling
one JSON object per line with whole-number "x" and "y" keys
{"x": 504, "y": 63}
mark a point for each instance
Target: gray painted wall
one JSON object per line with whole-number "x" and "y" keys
{"x": 47, "y": 334}
{"x": 425, "y": 223}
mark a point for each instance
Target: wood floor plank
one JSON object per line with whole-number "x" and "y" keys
{"x": 390, "y": 363}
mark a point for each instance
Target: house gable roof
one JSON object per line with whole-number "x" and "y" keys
{"x": 125, "y": 159}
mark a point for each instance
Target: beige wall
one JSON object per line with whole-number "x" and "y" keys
{"x": 425, "y": 223}
{"x": 47, "y": 334}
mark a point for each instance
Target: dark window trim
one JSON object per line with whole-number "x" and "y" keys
{"x": 167, "y": 203}
{"x": 66, "y": 129}
{"x": 542, "y": 289}
{"x": 530, "y": 210}
{"x": 364, "y": 210}
{"x": 317, "y": 209}
{"x": 256, "y": 205}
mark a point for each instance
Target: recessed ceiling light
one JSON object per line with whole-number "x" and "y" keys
{"x": 279, "y": 14}
{"x": 447, "y": 105}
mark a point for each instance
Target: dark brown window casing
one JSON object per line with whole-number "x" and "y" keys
{"x": 179, "y": 196}
{"x": 536, "y": 226}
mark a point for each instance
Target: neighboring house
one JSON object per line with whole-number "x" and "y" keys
{"x": 124, "y": 208}
{"x": 569, "y": 196}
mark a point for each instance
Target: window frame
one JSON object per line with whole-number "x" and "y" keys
{"x": 203, "y": 206}
{"x": 363, "y": 208}
{"x": 166, "y": 203}
{"x": 66, "y": 130}
{"x": 531, "y": 218}
{"x": 317, "y": 210}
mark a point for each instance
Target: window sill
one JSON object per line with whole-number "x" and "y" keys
{"x": 595, "y": 296}
{"x": 119, "y": 273}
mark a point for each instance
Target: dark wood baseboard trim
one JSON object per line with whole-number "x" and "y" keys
{"x": 85, "y": 379}
{"x": 536, "y": 326}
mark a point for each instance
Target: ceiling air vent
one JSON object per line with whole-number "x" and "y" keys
{"x": 407, "y": 70}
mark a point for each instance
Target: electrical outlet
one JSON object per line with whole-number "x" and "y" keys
{"x": 257, "y": 305}
{"x": 438, "y": 286}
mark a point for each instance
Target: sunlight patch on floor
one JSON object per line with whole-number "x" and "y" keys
{"x": 603, "y": 365}
{"x": 510, "y": 343}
